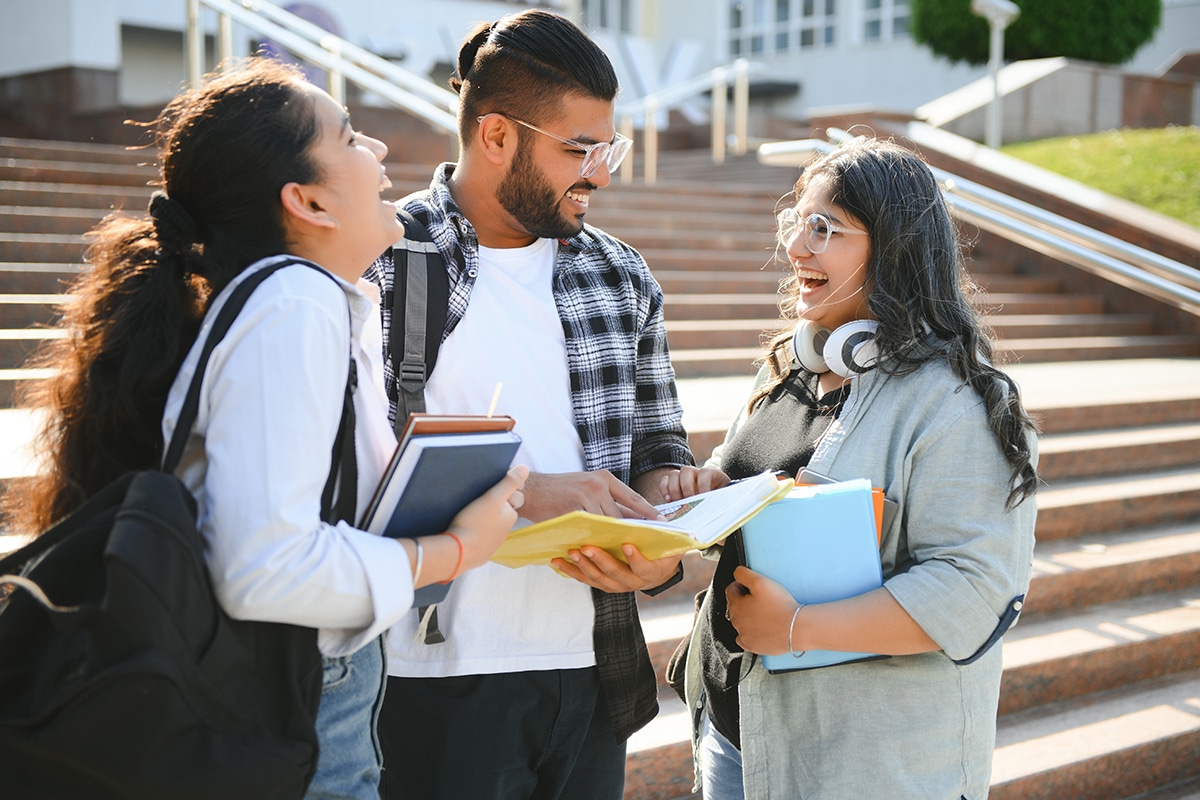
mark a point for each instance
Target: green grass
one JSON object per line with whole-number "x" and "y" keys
{"x": 1159, "y": 168}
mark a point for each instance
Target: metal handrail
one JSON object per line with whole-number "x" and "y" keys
{"x": 438, "y": 106}
{"x": 342, "y": 59}
{"x": 1096, "y": 252}
{"x": 715, "y": 80}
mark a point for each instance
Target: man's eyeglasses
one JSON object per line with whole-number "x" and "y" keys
{"x": 815, "y": 228}
{"x": 610, "y": 153}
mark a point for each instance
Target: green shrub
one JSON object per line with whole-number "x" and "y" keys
{"x": 1107, "y": 31}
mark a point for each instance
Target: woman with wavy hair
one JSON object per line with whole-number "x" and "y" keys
{"x": 884, "y": 372}
{"x": 257, "y": 168}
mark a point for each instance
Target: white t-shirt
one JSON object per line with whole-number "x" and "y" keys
{"x": 498, "y": 619}
{"x": 259, "y": 455}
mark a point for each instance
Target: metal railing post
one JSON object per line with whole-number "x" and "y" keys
{"x": 627, "y": 165}
{"x": 195, "y": 44}
{"x": 720, "y": 102}
{"x": 741, "y": 105}
{"x": 650, "y": 165}
{"x": 224, "y": 40}
{"x": 335, "y": 81}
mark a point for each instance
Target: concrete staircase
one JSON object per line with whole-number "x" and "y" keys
{"x": 1101, "y": 695}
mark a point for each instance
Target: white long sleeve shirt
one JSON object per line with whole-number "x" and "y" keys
{"x": 259, "y": 455}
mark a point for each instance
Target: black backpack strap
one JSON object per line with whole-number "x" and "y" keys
{"x": 343, "y": 464}
{"x": 420, "y": 295}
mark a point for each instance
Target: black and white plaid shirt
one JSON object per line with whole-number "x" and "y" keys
{"x": 626, "y": 409}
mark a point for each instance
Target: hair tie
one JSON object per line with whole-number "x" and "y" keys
{"x": 174, "y": 227}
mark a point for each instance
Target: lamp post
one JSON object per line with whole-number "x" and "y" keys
{"x": 999, "y": 14}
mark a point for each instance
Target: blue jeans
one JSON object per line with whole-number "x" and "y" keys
{"x": 720, "y": 765}
{"x": 351, "y": 695}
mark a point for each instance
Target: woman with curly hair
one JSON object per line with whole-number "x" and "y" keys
{"x": 886, "y": 374}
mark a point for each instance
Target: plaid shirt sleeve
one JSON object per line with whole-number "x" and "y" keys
{"x": 626, "y": 407}
{"x": 628, "y": 416}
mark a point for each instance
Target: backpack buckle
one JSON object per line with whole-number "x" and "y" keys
{"x": 412, "y": 374}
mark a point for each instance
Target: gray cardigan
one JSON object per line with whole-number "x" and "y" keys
{"x": 919, "y": 726}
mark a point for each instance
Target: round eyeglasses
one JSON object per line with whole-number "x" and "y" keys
{"x": 609, "y": 153}
{"x": 816, "y": 229}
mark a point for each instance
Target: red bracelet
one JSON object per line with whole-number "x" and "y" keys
{"x": 458, "y": 564}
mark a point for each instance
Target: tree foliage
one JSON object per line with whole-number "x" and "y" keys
{"x": 1107, "y": 31}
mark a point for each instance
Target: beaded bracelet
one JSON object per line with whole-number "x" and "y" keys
{"x": 790, "y": 627}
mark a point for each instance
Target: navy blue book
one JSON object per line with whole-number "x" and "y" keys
{"x": 441, "y": 464}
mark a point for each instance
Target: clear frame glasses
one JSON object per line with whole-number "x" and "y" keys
{"x": 816, "y": 229}
{"x": 610, "y": 153}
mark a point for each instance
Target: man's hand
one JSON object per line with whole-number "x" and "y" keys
{"x": 549, "y": 496}
{"x": 598, "y": 569}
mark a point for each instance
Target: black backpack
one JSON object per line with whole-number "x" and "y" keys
{"x": 120, "y": 674}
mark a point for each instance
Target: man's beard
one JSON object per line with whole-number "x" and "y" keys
{"x": 527, "y": 195}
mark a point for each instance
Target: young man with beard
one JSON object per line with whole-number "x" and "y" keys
{"x": 541, "y": 678}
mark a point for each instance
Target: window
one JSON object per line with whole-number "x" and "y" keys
{"x": 608, "y": 15}
{"x": 885, "y": 20}
{"x": 781, "y": 25}
{"x": 817, "y": 23}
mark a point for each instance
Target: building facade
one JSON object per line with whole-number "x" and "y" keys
{"x": 93, "y": 57}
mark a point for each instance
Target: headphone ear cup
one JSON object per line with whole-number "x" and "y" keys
{"x": 850, "y": 349}
{"x": 808, "y": 343}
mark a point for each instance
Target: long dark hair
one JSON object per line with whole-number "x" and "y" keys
{"x": 523, "y": 65}
{"x": 225, "y": 150}
{"x": 917, "y": 287}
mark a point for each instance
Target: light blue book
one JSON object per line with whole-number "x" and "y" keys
{"x": 820, "y": 543}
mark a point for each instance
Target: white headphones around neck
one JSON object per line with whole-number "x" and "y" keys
{"x": 846, "y": 351}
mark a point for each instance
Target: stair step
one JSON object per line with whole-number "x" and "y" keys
{"x": 709, "y": 334}
{"x": 1009, "y": 303}
{"x": 1184, "y": 790}
{"x": 26, "y": 277}
{"x": 90, "y": 152}
{"x": 1043, "y": 326}
{"x": 1094, "y": 348}
{"x": 1070, "y": 574}
{"x": 17, "y": 345}
{"x": 41, "y": 219}
{"x": 26, "y": 310}
{"x": 709, "y": 281}
{"x": 10, "y": 379}
{"x": 41, "y": 247}
{"x": 73, "y": 195}
{"x": 1112, "y": 745}
{"x": 729, "y": 305}
{"x": 1092, "y": 453}
{"x": 1100, "y": 647}
{"x": 654, "y": 234}
{"x": 688, "y": 258}
{"x": 78, "y": 172}
{"x": 1077, "y": 508}
{"x": 714, "y": 362}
